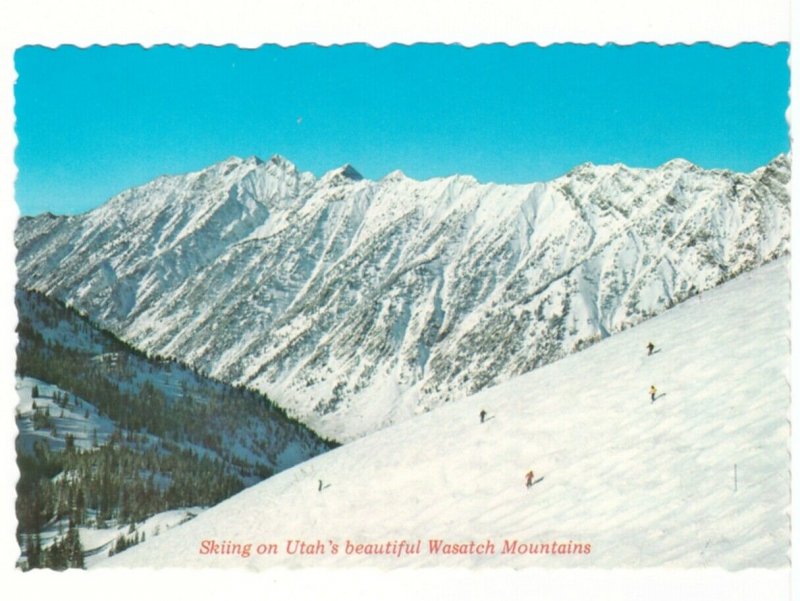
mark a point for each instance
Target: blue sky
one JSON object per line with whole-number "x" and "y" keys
{"x": 91, "y": 123}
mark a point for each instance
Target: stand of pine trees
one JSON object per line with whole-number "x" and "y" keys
{"x": 207, "y": 413}
{"x": 65, "y": 552}
{"x": 195, "y": 446}
{"x": 119, "y": 482}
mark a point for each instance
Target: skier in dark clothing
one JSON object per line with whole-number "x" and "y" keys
{"x": 529, "y": 479}
{"x": 483, "y": 415}
{"x": 320, "y": 485}
{"x": 650, "y": 348}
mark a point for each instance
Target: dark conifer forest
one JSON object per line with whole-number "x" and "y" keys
{"x": 176, "y": 439}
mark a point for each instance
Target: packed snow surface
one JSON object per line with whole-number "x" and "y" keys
{"x": 698, "y": 478}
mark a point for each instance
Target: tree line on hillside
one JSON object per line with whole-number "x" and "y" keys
{"x": 35, "y": 306}
{"x": 122, "y": 482}
{"x": 204, "y": 412}
{"x": 181, "y": 439}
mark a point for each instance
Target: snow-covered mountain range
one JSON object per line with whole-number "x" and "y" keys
{"x": 698, "y": 478}
{"x": 356, "y": 304}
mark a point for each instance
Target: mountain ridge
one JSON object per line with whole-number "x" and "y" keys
{"x": 357, "y": 303}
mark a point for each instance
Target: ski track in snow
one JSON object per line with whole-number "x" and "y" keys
{"x": 645, "y": 484}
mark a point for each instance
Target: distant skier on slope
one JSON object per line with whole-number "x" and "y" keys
{"x": 483, "y": 415}
{"x": 529, "y": 479}
{"x": 652, "y": 394}
{"x": 650, "y": 348}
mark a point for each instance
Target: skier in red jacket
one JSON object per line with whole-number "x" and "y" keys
{"x": 529, "y": 479}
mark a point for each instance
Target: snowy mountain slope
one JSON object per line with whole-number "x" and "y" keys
{"x": 88, "y": 428}
{"x": 356, "y": 304}
{"x": 162, "y": 398}
{"x": 700, "y": 478}
{"x": 109, "y": 439}
{"x": 98, "y": 542}
{"x": 80, "y": 419}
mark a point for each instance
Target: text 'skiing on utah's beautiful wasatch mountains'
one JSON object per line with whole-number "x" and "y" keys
{"x": 492, "y": 307}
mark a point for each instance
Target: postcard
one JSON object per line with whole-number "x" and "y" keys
{"x": 512, "y": 312}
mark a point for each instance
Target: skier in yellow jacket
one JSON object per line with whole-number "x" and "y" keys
{"x": 652, "y": 394}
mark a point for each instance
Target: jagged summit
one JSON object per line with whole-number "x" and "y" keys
{"x": 784, "y": 159}
{"x": 350, "y": 172}
{"x": 779, "y": 167}
{"x": 679, "y": 164}
{"x": 235, "y": 161}
{"x": 281, "y": 161}
{"x": 397, "y": 174}
{"x": 345, "y": 173}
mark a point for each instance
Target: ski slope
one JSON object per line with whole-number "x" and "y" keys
{"x": 700, "y": 478}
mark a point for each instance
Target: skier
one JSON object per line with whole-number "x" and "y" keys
{"x": 529, "y": 479}
{"x": 650, "y": 348}
{"x": 652, "y": 394}
{"x": 320, "y": 486}
{"x": 483, "y": 415}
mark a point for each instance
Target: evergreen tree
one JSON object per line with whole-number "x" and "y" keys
{"x": 73, "y": 550}
{"x": 80, "y": 507}
{"x": 33, "y": 551}
{"x": 55, "y": 555}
